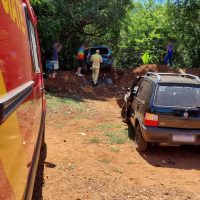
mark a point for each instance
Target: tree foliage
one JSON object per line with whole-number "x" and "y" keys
{"x": 150, "y": 26}
{"x": 74, "y": 22}
{"x": 137, "y": 31}
{"x": 184, "y": 18}
{"x": 144, "y": 31}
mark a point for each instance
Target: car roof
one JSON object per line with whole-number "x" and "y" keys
{"x": 174, "y": 78}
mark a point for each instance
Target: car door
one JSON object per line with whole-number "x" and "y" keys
{"x": 134, "y": 92}
{"x": 140, "y": 101}
{"x": 36, "y": 72}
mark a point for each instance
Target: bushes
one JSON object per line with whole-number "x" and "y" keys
{"x": 137, "y": 32}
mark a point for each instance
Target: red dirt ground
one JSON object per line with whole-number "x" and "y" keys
{"x": 90, "y": 152}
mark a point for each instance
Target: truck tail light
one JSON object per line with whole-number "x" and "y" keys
{"x": 151, "y": 120}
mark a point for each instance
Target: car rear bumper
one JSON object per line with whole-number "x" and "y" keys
{"x": 165, "y": 135}
{"x": 105, "y": 65}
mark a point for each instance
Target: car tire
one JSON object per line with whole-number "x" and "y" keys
{"x": 124, "y": 116}
{"x": 141, "y": 144}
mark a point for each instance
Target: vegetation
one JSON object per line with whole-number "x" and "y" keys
{"x": 56, "y": 104}
{"x": 74, "y": 22}
{"x": 137, "y": 31}
{"x": 95, "y": 140}
{"x": 115, "y": 149}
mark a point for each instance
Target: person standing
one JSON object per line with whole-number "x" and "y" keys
{"x": 169, "y": 56}
{"x": 96, "y": 60}
{"x": 57, "y": 47}
{"x": 80, "y": 58}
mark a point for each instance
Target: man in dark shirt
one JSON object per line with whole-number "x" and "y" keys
{"x": 169, "y": 56}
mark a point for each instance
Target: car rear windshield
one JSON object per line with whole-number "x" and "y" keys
{"x": 102, "y": 51}
{"x": 178, "y": 96}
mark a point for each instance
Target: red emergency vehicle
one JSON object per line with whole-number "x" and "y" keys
{"x": 22, "y": 101}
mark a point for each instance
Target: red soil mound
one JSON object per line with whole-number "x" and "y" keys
{"x": 70, "y": 83}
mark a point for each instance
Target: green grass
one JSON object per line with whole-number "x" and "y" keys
{"x": 71, "y": 166}
{"x": 116, "y": 138}
{"x": 117, "y": 170}
{"x": 115, "y": 149}
{"x": 106, "y": 127}
{"x": 56, "y": 103}
{"x": 95, "y": 140}
{"x": 105, "y": 161}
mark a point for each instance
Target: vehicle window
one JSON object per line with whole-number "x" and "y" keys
{"x": 178, "y": 96}
{"x": 143, "y": 91}
{"x": 136, "y": 86}
{"x": 33, "y": 44}
{"x": 102, "y": 51}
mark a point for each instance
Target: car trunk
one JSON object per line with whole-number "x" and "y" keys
{"x": 179, "y": 118}
{"x": 178, "y": 106}
{"x": 103, "y": 51}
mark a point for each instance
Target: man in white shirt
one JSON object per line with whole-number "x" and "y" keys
{"x": 96, "y": 60}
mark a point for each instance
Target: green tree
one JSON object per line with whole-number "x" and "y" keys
{"x": 144, "y": 30}
{"x": 73, "y": 22}
{"x": 185, "y": 24}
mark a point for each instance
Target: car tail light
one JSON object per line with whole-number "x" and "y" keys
{"x": 151, "y": 120}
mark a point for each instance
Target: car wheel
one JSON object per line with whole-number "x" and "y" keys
{"x": 141, "y": 144}
{"x": 124, "y": 114}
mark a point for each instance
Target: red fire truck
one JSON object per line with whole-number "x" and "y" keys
{"x": 22, "y": 100}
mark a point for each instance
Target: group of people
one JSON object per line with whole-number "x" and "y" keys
{"x": 96, "y": 61}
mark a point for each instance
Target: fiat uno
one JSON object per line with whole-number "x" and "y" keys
{"x": 164, "y": 108}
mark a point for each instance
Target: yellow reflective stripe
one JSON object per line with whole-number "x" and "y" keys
{"x": 12, "y": 153}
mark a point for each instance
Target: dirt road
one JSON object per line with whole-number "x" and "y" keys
{"x": 91, "y": 156}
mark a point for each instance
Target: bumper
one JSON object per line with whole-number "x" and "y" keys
{"x": 165, "y": 135}
{"x": 105, "y": 66}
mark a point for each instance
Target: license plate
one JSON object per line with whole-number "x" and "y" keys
{"x": 183, "y": 138}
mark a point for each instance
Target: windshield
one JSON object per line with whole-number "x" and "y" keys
{"x": 178, "y": 96}
{"x": 103, "y": 51}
